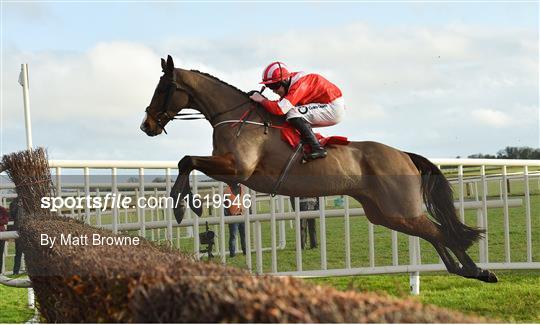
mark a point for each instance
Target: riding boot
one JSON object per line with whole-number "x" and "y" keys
{"x": 317, "y": 151}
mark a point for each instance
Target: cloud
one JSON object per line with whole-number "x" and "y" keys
{"x": 410, "y": 87}
{"x": 491, "y": 117}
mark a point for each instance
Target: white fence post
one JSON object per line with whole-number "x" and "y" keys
{"x": 528, "y": 213}
{"x": 461, "y": 194}
{"x": 221, "y": 213}
{"x": 414, "y": 277}
{"x": 273, "y": 244}
{"x": 142, "y": 211}
{"x": 506, "y": 217}
{"x": 31, "y": 299}
{"x": 322, "y": 230}
{"x": 114, "y": 191}
{"x": 484, "y": 247}
{"x": 298, "y": 235}
{"x": 347, "y": 227}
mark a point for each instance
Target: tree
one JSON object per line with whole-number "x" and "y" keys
{"x": 512, "y": 153}
{"x": 479, "y": 155}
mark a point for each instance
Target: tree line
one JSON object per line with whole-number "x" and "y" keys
{"x": 511, "y": 153}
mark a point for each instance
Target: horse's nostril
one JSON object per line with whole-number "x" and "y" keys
{"x": 144, "y": 126}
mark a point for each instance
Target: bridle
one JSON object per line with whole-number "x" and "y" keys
{"x": 163, "y": 117}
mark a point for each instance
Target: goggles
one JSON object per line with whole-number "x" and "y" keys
{"x": 274, "y": 86}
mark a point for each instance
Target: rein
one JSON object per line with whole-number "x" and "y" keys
{"x": 174, "y": 86}
{"x": 243, "y": 119}
{"x": 200, "y": 116}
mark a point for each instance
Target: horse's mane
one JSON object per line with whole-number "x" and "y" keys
{"x": 217, "y": 79}
{"x": 274, "y": 118}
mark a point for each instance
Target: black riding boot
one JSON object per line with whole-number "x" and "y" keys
{"x": 317, "y": 151}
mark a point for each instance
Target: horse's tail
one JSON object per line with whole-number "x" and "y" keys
{"x": 438, "y": 197}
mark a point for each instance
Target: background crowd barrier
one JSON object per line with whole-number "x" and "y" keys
{"x": 484, "y": 189}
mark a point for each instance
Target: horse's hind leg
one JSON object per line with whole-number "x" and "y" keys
{"x": 420, "y": 226}
{"x": 423, "y": 227}
{"x": 447, "y": 259}
{"x": 470, "y": 269}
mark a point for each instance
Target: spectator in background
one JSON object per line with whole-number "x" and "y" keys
{"x": 235, "y": 210}
{"x": 14, "y": 210}
{"x": 4, "y": 219}
{"x": 307, "y": 225}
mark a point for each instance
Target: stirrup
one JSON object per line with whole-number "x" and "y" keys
{"x": 314, "y": 154}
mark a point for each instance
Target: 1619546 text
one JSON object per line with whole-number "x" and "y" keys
{"x": 122, "y": 201}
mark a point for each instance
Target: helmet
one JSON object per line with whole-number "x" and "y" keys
{"x": 275, "y": 72}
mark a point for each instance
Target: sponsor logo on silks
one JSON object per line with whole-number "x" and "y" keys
{"x": 304, "y": 109}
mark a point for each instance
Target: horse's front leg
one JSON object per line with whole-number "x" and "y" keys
{"x": 214, "y": 166}
{"x": 181, "y": 188}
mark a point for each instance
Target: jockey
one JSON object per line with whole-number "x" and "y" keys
{"x": 306, "y": 99}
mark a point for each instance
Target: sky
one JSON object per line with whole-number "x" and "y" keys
{"x": 442, "y": 79}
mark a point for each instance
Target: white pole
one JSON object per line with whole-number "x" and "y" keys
{"x": 414, "y": 283}
{"x": 247, "y": 230}
{"x": 484, "y": 247}
{"x": 298, "y": 234}
{"x": 195, "y": 218}
{"x": 347, "y": 234}
{"x": 528, "y": 214}
{"x": 87, "y": 194}
{"x": 461, "y": 194}
{"x": 168, "y": 209}
{"x": 23, "y": 80}
{"x": 414, "y": 277}
{"x": 31, "y": 299}
{"x": 221, "y": 226}
{"x": 322, "y": 230}
{"x": 506, "y": 215}
{"x": 114, "y": 192}
{"x": 273, "y": 233}
{"x": 142, "y": 211}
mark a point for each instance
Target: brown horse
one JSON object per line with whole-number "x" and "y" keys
{"x": 389, "y": 183}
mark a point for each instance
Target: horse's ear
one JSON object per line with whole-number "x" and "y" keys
{"x": 163, "y": 65}
{"x": 170, "y": 63}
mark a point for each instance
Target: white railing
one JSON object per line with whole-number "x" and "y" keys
{"x": 279, "y": 212}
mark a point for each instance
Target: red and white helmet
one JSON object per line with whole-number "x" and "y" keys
{"x": 275, "y": 72}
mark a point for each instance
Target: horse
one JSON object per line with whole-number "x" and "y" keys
{"x": 390, "y": 184}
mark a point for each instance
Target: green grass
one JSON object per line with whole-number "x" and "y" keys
{"x": 13, "y": 305}
{"x": 516, "y": 298}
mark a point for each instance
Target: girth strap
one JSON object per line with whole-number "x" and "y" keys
{"x": 285, "y": 170}
{"x": 244, "y": 118}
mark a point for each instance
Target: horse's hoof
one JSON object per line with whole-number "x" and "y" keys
{"x": 487, "y": 276}
{"x": 198, "y": 211}
{"x": 179, "y": 210}
{"x": 191, "y": 202}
